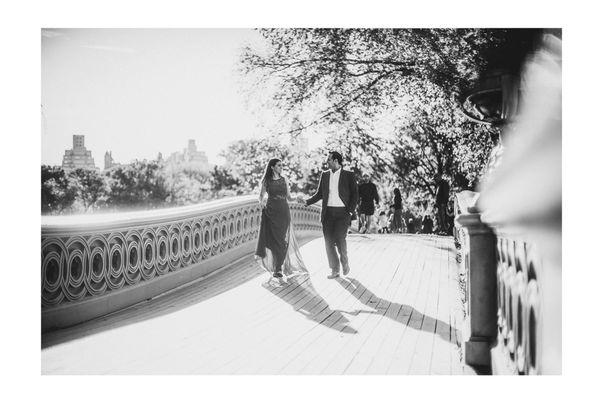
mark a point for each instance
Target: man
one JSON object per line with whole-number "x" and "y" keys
{"x": 367, "y": 194}
{"x": 338, "y": 190}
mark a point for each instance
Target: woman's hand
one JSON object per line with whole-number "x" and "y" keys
{"x": 300, "y": 200}
{"x": 262, "y": 202}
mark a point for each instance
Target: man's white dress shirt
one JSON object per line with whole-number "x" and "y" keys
{"x": 334, "y": 194}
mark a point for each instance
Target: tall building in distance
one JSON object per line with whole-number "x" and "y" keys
{"x": 78, "y": 156}
{"x": 109, "y": 162}
{"x": 190, "y": 157}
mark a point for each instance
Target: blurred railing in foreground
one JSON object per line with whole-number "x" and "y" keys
{"x": 96, "y": 264}
{"x": 510, "y": 236}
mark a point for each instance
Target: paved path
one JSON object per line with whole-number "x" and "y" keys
{"x": 396, "y": 313}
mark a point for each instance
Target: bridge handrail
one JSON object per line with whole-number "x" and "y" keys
{"x": 95, "y": 264}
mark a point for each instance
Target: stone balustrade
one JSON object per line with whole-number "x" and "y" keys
{"x": 510, "y": 236}
{"x": 96, "y": 264}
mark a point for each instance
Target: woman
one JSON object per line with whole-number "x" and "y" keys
{"x": 397, "y": 221}
{"x": 277, "y": 248}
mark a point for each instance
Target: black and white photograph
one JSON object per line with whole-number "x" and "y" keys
{"x": 301, "y": 201}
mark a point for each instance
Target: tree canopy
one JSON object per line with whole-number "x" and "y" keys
{"x": 346, "y": 74}
{"x": 346, "y": 81}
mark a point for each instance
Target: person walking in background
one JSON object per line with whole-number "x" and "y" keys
{"x": 396, "y": 225}
{"x": 442, "y": 194}
{"x": 367, "y": 196}
{"x": 427, "y": 224}
{"x": 338, "y": 190}
{"x": 410, "y": 226}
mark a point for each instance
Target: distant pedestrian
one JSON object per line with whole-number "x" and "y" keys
{"x": 396, "y": 225}
{"x": 427, "y": 224}
{"x": 410, "y": 226}
{"x": 442, "y": 195}
{"x": 367, "y": 197}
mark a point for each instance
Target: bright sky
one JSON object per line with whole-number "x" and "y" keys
{"x": 136, "y": 92}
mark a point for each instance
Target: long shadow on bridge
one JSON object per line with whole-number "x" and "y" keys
{"x": 304, "y": 299}
{"x": 307, "y": 301}
{"x": 406, "y": 315}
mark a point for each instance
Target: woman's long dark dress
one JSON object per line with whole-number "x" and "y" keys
{"x": 277, "y": 245}
{"x": 275, "y": 224}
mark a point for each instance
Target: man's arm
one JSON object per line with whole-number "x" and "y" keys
{"x": 353, "y": 192}
{"x": 318, "y": 195}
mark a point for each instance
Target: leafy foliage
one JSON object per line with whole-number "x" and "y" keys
{"x": 221, "y": 179}
{"x": 344, "y": 81}
{"x": 247, "y": 159}
{"x": 90, "y": 187}
{"x": 58, "y": 192}
{"x": 435, "y": 138}
{"x": 137, "y": 184}
{"x": 354, "y": 74}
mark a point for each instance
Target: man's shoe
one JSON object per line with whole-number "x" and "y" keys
{"x": 333, "y": 276}
{"x": 346, "y": 269}
{"x": 277, "y": 275}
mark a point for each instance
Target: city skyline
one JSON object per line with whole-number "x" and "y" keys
{"x": 68, "y": 153}
{"x": 138, "y": 92}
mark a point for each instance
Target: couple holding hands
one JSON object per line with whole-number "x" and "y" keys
{"x": 277, "y": 247}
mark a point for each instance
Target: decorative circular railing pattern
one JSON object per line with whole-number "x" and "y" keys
{"x": 518, "y": 304}
{"x": 90, "y": 256}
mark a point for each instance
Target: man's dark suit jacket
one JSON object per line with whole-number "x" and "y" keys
{"x": 347, "y": 189}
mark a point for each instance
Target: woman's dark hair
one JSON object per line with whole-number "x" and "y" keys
{"x": 336, "y": 156}
{"x": 268, "y": 175}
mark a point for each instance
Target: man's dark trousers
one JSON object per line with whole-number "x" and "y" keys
{"x": 335, "y": 228}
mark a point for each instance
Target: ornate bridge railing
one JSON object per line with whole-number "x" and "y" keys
{"x": 510, "y": 236}
{"x": 96, "y": 264}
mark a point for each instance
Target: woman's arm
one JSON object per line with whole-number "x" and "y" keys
{"x": 261, "y": 195}
{"x": 288, "y": 194}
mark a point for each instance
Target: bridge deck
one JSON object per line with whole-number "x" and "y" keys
{"x": 395, "y": 313}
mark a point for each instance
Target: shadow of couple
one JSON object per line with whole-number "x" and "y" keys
{"x": 304, "y": 299}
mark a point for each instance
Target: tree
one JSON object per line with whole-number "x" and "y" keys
{"x": 185, "y": 184}
{"x": 90, "y": 187}
{"x": 344, "y": 81}
{"x": 222, "y": 179}
{"x": 140, "y": 184}
{"x": 58, "y": 193}
{"x": 247, "y": 159}
{"x": 435, "y": 138}
{"x": 346, "y": 75}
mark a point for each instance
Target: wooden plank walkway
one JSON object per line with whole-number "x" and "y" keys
{"x": 396, "y": 313}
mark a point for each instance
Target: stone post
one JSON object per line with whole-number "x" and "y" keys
{"x": 479, "y": 252}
